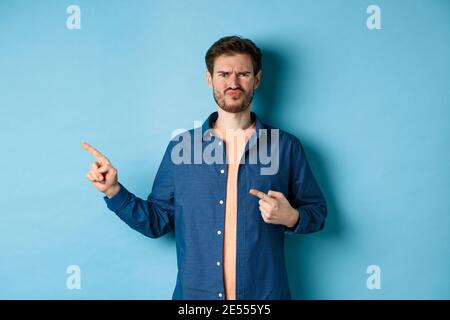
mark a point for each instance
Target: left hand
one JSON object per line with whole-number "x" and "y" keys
{"x": 275, "y": 208}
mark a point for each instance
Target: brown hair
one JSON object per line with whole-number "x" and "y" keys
{"x": 230, "y": 45}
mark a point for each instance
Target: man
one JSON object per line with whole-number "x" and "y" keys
{"x": 229, "y": 217}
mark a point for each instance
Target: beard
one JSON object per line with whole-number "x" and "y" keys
{"x": 232, "y": 104}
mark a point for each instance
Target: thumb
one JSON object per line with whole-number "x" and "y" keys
{"x": 275, "y": 194}
{"x": 104, "y": 168}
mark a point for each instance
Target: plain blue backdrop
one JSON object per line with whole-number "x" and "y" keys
{"x": 371, "y": 107}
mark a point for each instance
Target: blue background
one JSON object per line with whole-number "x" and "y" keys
{"x": 370, "y": 106}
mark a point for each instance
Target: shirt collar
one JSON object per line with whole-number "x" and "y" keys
{"x": 207, "y": 128}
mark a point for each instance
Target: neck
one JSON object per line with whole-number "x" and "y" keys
{"x": 233, "y": 121}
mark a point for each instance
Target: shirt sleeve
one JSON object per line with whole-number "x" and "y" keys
{"x": 153, "y": 217}
{"x": 305, "y": 194}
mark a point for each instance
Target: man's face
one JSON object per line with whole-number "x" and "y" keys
{"x": 233, "y": 82}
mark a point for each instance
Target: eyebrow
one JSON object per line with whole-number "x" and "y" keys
{"x": 221, "y": 71}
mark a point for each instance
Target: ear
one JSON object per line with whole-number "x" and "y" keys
{"x": 257, "y": 80}
{"x": 209, "y": 78}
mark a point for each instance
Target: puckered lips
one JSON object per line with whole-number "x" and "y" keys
{"x": 234, "y": 93}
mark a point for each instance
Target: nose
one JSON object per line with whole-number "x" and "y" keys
{"x": 233, "y": 81}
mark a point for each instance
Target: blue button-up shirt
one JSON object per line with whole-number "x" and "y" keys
{"x": 189, "y": 198}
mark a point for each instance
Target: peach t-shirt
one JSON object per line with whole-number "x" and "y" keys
{"x": 235, "y": 141}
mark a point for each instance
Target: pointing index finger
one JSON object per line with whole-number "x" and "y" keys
{"x": 263, "y": 196}
{"x": 257, "y": 193}
{"x": 97, "y": 154}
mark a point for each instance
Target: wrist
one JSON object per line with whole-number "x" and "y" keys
{"x": 111, "y": 192}
{"x": 295, "y": 216}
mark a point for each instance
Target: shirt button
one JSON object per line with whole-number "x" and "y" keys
{"x": 222, "y": 171}
{"x": 218, "y": 263}
{"x": 220, "y": 295}
{"x": 220, "y": 143}
{"x": 221, "y": 201}
{"x": 219, "y": 232}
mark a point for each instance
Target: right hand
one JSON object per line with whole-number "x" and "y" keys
{"x": 102, "y": 174}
